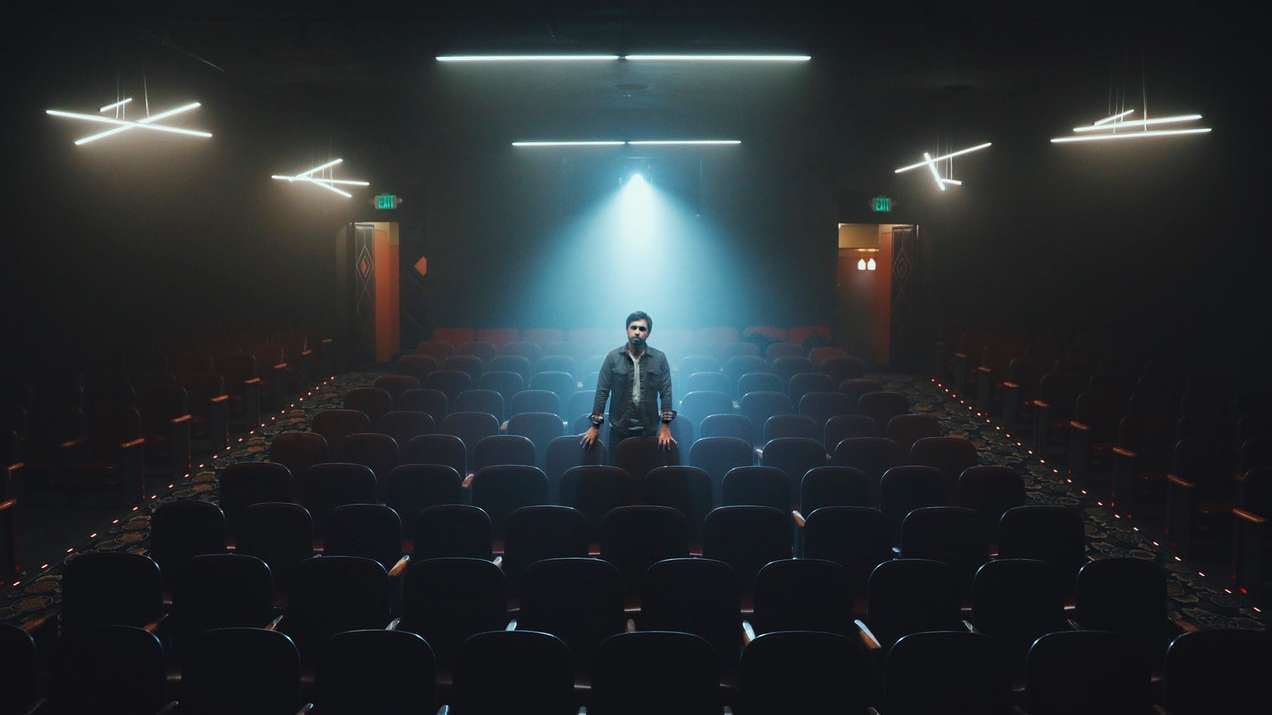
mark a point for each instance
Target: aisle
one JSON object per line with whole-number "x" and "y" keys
{"x": 1192, "y": 599}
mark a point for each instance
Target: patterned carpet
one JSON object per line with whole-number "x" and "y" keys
{"x": 32, "y": 599}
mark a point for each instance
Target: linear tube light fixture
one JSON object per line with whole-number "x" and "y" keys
{"x": 633, "y": 142}
{"x": 1133, "y": 123}
{"x": 146, "y": 120}
{"x": 1119, "y": 127}
{"x": 1119, "y": 115}
{"x": 120, "y": 103}
{"x": 943, "y": 157}
{"x": 307, "y": 176}
{"x": 128, "y": 124}
{"x": 526, "y": 58}
{"x": 940, "y": 183}
{"x": 718, "y": 58}
{"x": 1131, "y": 135}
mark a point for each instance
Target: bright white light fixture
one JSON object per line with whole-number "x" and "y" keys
{"x": 526, "y": 58}
{"x": 1133, "y": 123}
{"x": 327, "y": 183}
{"x": 930, "y": 162}
{"x": 123, "y": 125}
{"x": 120, "y": 103}
{"x": 861, "y": 264}
{"x": 581, "y": 143}
{"x": 146, "y": 120}
{"x": 1120, "y": 127}
{"x": 634, "y": 142}
{"x": 718, "y": 58}
{"x": 871, "y": 265}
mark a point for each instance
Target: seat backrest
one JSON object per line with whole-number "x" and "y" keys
{"x": 1084, "y": 672}
{"x": 410, "y": 488}
{"x": 641, "y": 672}
{"x": 1054, "y": 534}
{"x": 371, "y": 401}
{"x": 824, "y": 672}
{"x": 780, "y": 426}
{"x": 694, "y": 595}
{"x": 943, "y": 671}
{"x": 405, "y": 425}
{"x": 695, "y": 406}
{"x": 433, "y": 401}
{"x": 1213, "y": 671}
{"x": 377, "y": 671}
{"x": 1017, "y": 600}
{"x": 794, "y": 456}
{"x": 596, "y": 489}
{"x": 535, "y": 401}
{"x": 507, "y": 671}
{"x": 297, "y": 451}
{"x": 446, "y": 600}
{"x": 335, "y": 425}
{"x": 909, "y": 596}
{"x": 907, "y": 429}
{"x": 323, "y": 487}
{"x": 756, "y": 486}
{"x": 738, "y": 426}
{"x": 534, "y": 533}
{"x": 802, "y": 595}
{"x": 503, "y": 488}
{"x": 641, "y": 455}
{"x": 458, "y": 530}
{"x": 538, "y": 427}
{"x": 224, "y": 590}
{"x": 833, "y": 486}
{"x": 635, "y": 537}
{"x": 856, "y": 538}
{"x": 108, "y": 669}
{"x": 503, "y": 449}
{"x": 181, "y": 530}
{"x": 332, "y": 594}
{"x": 444, "y": 449}
{"x": 241, "y": 670}
{"x": 279, "y": 533}
{"x": 110, "y": 588}
{"x": 579, "y": 600}
{"x": 372, "y": 531}
{"x": 488, "y": 401}
{"x": 747, "y": 538}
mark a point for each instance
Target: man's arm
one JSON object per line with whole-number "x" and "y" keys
{"x": 664, "y": 394}
{"x": 602, "y": 390}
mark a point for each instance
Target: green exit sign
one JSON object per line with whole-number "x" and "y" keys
{"x": 387, "y": 201}
{"x": 881, "y": 204}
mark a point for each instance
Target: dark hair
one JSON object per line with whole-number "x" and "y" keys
{"x": 640, "y": 315}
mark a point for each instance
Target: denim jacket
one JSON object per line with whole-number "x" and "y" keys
{"x": 615, "y": 379}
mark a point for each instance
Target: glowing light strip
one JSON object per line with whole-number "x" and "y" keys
{"x": 526, "y": 58}
{"x": 955, "y": 182}
{"x": 585, "y": 143}
{"x": 1115, "y": 116}
{"x": 1130, "y": 135}
{"x": 328, "y": 184}
{"x": 718, "y": 58}
{"x": 673, "y": 142}
{"x": 320, "y": 167}
{"x": 1133, "y": 123}
{"x": 343, "y": 182}
{"x": 960, "y": 152}
{"x": 637, "y": 142}
{"x": 931, "y": 164}
{"x": 120, "y": 103}
{"x": 328, "y": 187}
{"x": 147, "y": 120}
{"x": 122, "y": 123}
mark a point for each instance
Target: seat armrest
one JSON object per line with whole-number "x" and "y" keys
{"x": 748, "y": 633}
{"x": 798, "y": 518}
{"x": 1248, "y": 516}
{"x": 181, "y": 420}
{"x": 393, "y": 624}
{"x": 630, "y": 626}
{"x": 512, "y": 625}
{"x": 468, "y": 481}
{"x": 498, "y": 561}
{"x": 305, "y": 709}
{"x": 1040, "y": 403}
{"x": 399, "y": 568}
{"x": 1011, "y": 385}
{"x": 867, "y": 637}
{"x": 1081, "y": 426}
{"x": 1124, "y": 452}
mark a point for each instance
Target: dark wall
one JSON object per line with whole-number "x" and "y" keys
{"x": 1144, "y": 244}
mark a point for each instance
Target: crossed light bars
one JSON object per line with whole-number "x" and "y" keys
{"x": 326, "y": 183}
{"x": 1108, "y": 128}
{"x": 630, "y": 58}
{"x": 930, "y": 162}
{"x": 634, "y": 142}
{"x": 123, "y": 125}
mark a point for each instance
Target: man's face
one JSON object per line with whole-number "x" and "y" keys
{"x": 637, "y": 332}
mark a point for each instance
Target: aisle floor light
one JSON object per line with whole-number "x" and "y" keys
{"x": 1119, "y": 127}
{"x": 150, "y": 123}
{"x": 930, "y": 162}
{"x": 324, "y": 182}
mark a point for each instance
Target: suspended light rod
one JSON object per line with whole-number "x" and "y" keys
{"x": 632, "y": 58}
{"x": 124, "y": 123}
{"x": 526, "y": 58}
{"x": 1106, "y": 120}
{"x": 147, "y": 120}
{"x": 1133, "y": 123}
{"x": 120, "y": 103}
{"x": 1131, "y": 135}
{"x": 718, "y": 58}
{"x": 634, "y": 142}
{"x": 960, "y": 152}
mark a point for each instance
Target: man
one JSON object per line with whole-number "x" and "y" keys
{"x": 637, "y": 376}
